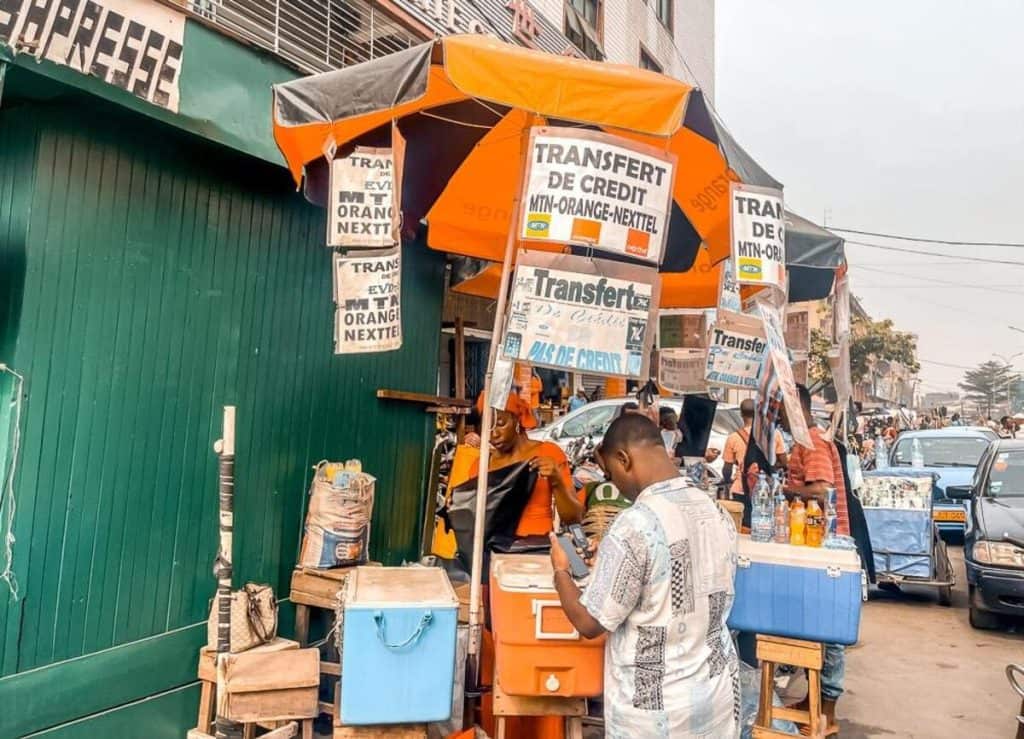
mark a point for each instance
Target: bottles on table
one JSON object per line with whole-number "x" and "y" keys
{"x": 831, "y": 515}
{"x": 781, "y": 533}
{"x": 797, "y": 522}
{"x": 761, "y": 519}
{"x": 814, "y": 532}
{"x": 881, "y": 454}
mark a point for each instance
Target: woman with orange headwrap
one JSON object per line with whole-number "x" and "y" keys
{"x": 510, "y": 444}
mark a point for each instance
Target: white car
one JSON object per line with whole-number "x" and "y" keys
{"x": 594, "y": 418}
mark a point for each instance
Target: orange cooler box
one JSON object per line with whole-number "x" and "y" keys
{"x": 537, "y": 650}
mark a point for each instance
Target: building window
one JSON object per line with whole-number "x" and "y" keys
{"x": 583, "y": 26}
{"x": 663, "y": 8}
{"x": 647, "y": 61}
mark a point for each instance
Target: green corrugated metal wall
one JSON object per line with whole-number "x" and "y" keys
{"x": 148, "y": 280}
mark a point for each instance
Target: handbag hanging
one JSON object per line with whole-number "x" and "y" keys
{"x": 253, "y": 618}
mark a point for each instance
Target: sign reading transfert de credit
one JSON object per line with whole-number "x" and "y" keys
{"x": 757, "y": 225}
{"x": 736, "y": 351}
{"x": 368, "y": 295}
{"x": 363, "y": 210}
{"x": 583, "y": 315}
{"x": 589, "y": 188}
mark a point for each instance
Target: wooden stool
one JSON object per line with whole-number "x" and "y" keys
{"x": 772, "y": 651}
{"x": 208, "y": 680}
{"x": 398, "y": 731}
{"x": 573, "y": 709}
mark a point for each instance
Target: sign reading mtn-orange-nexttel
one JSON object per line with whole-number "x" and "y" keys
{"x": 592, "y": 189}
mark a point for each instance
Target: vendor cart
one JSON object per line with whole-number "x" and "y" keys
{"x": 908, "y": 549}
{"x": 940, "y": 570}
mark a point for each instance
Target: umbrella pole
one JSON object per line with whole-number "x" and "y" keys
{"x": 487, "y": 422}
{"x": 222, "y": 568}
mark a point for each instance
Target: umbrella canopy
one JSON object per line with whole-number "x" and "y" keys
{"x": 461, "y": 104}
{"x": 813, "y": 254}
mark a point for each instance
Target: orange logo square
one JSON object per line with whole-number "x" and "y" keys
{"x": 586, "y": 231}
{"x": 638, "y": 242}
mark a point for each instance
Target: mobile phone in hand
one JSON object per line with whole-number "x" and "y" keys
{"x": 577, "y": 567}
{"x": 578, "y": 537}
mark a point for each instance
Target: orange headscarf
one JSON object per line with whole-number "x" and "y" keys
{"x": 517, "y": 407}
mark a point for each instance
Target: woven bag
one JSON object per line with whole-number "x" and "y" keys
{"x": 253, "y": 618}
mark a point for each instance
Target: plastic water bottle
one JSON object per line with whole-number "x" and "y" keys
{"x": 762, "y": 526}
{"x": 781, "y": 530}
{"x": 916, "y": 454}
{"x": 881, "y": 454}
{"x": 831, "y": 515}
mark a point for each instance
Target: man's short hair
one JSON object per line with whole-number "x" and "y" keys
{"x": 630, "y": 429}
{"x": 747, "y": 408}
{"x": 805, "y": 396}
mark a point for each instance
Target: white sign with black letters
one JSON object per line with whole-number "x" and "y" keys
{"x": 757, "y": 226}
{"x": 368, "y": 296}
{"x": 681, "y": 371}
{"x": 582, "y": 315}
{"x": 135, "y": 45}
{"x": 362, "y": 210}
{"x": 736, "y": 351}
{"x": 590, "y": 188}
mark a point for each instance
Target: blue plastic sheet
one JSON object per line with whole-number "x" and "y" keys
{"x": 901, "y": 540}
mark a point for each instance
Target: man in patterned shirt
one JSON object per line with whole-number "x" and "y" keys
{"x": 662, "y": 587}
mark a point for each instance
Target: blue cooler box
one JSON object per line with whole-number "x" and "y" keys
{"x": 807, "y": 593}
{"x": 399, "y": 638}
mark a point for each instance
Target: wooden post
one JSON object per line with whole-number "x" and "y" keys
{"x": 476, "y": 571}
{"x": 222, "y": 568}
{"x": 460, "y": 375}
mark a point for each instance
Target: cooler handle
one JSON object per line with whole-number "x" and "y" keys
{"x": 538, "y": 620}
{"x": 378, "y": 619}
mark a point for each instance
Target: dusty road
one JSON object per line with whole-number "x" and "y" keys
{"x": 920, "y": 670}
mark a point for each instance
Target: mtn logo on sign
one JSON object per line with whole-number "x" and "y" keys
{"x": 750, "y": 268}
{"x": 538, "y": 225}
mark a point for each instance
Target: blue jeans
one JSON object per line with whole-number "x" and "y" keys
{"x": 833, "y": 672}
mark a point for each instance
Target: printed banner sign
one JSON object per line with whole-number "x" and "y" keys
{"x": 362, "y": 207}
{"x": 757, "y": 227}
{"x": 790, "y": 397}
{"x": 683, "y": 330}
{"x": 582, "y": 315}
{"x": 681, "y": 371}
{"x": 767, "y": 412}
{"x": 590, "y": 188}
{"x": 368, "y": 295}
{"x": 131, "y": 44}
{"x": 736, "y": 350}
{"x": 728, "y": 289}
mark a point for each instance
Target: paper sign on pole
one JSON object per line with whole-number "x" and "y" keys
{"x": 368, "y": 295}
{"x": 728, "y": 289}
{"x": 736, "y": 349}
{"x": 682, "y": 329}
{"x": 362, "y": 208}
{"x": 767, "y": 412}
{"x": 681, "y": 371}
{"x": 757, "y": 228}
{"x": 582, "y": 315}
{"x": 594, "y": 189}
{"x": 798, "y": 330}
{"x": 791, "y": 398}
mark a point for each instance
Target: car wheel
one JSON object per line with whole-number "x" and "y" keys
{"x": 984, "y": 620}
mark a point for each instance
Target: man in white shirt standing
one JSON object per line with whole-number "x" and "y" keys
{"x": 662, "y": 587}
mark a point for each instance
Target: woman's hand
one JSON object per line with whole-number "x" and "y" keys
{"x": 545, "y": 467}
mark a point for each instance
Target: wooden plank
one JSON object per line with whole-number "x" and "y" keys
{"x": 408, "y": 397}
{"x": 528, "y": 705}
{"x": 400, "y": 731}
{"x": 318, "y": 588}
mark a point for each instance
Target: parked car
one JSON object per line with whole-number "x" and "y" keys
{"x": 594, "y": 418}
{"x": 994, "y": 542}
{"x": 952, "y": 454}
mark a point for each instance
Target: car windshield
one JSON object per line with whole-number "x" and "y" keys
{"x": 956, "y": 451}
{"x": 1006, "y": 478}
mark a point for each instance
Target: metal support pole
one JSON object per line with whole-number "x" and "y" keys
{"x": 486, "y": 424}
{"x": 222, "y": 568}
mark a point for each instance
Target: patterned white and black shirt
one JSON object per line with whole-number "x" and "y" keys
{"x": 663, "y": 586}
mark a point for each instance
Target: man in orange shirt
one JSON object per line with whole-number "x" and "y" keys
{"x": 736, "y": 450}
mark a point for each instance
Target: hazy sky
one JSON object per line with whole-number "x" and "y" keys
{"x": 899, "y": 117}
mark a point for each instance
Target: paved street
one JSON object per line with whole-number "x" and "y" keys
{"x": 920, "y": 670}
